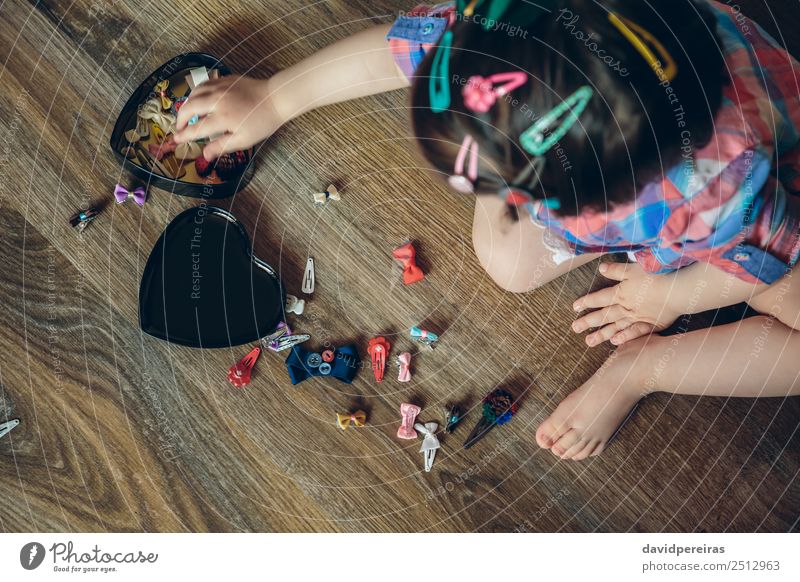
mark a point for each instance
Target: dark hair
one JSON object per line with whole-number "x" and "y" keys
{"x": 636, "y": 125}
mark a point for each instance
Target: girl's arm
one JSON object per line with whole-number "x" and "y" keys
{"x": 244, "y": 111}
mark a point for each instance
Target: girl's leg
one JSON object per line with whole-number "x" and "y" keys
{"x": 513, "y": 253}
{"x": 755, "y": 357}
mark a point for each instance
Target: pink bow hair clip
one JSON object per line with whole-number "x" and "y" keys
{"x": 409, "y": 413}
{"x": 121, "y": 194}
{"x": 404, "y": 361}
{"x": 481, "y": 93}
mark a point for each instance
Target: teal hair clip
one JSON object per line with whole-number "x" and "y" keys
{"x": 440, "y": 75}
{"x": 533, "y": 139}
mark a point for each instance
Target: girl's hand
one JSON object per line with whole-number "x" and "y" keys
{"x": 242, "y": 110}
{"x": 637, "y": 306}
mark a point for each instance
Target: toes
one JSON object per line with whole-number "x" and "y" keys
{"x": 550, "y": 431}
{"x": 585, "y": 451}
{"x": 565, "y": 442}
{"x": 575, "y": 449}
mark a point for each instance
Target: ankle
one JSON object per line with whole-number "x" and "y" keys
{"x": 637, "y": 359}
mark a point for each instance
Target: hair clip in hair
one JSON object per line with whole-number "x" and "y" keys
{"x": 467, "y": 9}
{"x": 534, "y": 139}
{"x": 439, "y": 87}
{"x": 460, "y": 182}
{"x": 480, "y": 93}
{"x": 637, "y": 36}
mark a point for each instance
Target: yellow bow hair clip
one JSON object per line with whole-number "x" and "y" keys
{"x": 161, "y": 90}
{"x": 638, "y": 37}
{"x": 358, "y": 418}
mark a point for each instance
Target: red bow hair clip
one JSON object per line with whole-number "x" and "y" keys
{"x": 406, "y": 254}
{"x": 480, "y": 93}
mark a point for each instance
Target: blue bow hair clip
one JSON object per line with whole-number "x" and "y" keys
{"x": 342, "y": 364}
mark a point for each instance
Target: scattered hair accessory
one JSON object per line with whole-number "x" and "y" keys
{"x": 424, "y": 337}
{"x": 239, "y": 374}
{"x": 498, "y": 409}
{"x": 81, "y": 220}
{"x": 177, "y": 104}
{"x": 229, "y": 166}
{"x": 158, "y": 134}
{"x": 452, "y": 417}
{"x": 161, "y": 149}
{"x": 7, "y": 426}
{"x": 533, "y": 139}
{"x": 406, "y": 254}
{"x": 637, "y": 36}
{"x": 309, "y": 278}
{"x": 320, "y": 198}
{"x": 460, "y": 182}
{"x": 151, "y": 111}
{"x": 404, "y": 361}
{"x": 409, "y": 414}
{"x": 187, "y": 151}
{"x": 480, "y": 93}
{"x": 283, "y": 339}
{"x": 378, "y": 349}
{"x": 138, "y": 194}
{"x": 302, "y": 364}
{"x": 161, "y": 90}
{"x": 439, "y": 85}
{"x": 357, "y": 418}
{"x": 429, "y": 442}
{"x": 294, "y": 305}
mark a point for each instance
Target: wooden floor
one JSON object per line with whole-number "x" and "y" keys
{"x": 122, "y": 432}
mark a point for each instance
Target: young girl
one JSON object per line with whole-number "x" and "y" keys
{"x": 667, "y": 130}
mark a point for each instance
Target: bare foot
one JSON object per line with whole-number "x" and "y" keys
{"x": 585, "y": 421}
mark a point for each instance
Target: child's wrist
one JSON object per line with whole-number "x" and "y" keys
{"x": 284, "y": 100}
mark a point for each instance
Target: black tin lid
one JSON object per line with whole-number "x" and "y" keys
{"x": 202, "y": 286}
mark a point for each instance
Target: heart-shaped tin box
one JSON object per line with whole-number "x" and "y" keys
{"x": 141, "y": 137}
{"x": 203, "y": 287}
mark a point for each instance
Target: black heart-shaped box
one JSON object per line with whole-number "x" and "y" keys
{"x": 203, "y": 287}
{"x": 191, "y": 183}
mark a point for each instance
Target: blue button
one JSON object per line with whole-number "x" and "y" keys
{"x": 427, "y": 29}
{"x": 325, "y": 368}
{"x": 314, "y": 360}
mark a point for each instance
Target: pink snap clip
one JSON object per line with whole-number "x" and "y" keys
{"x": 409, "y": 413}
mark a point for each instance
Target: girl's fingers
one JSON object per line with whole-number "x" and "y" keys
{"x": 615, "y": 271}
{"x": 222, "y": 145}
{"x": 200, "y": 105}
{"x": 602, "y": 298}
{"x": 631, "y": 333}
{"x": 599, "y": 318}
{"x": 205, "y": 127}
{"x": 606, "y": 333}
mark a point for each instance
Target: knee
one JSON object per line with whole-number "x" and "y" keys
{"x": 503, "y": 268}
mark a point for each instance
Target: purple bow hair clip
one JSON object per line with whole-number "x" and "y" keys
{"x": 121, "y": 194}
